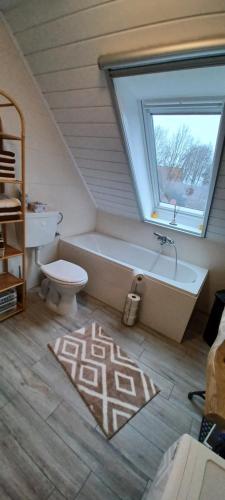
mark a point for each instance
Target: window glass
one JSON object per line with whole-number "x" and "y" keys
{"x": 184, "y": 151}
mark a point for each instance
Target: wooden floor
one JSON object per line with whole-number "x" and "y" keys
{"x": 50, "y": 445}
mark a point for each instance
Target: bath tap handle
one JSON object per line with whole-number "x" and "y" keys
{"x": 158, "y": 235}
{"x": 171, "y": 242}
{"x": 161, "y": 238}
{"x": 164, "y": 239}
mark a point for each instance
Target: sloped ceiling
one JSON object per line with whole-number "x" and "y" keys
{"x": 62, "y": 41}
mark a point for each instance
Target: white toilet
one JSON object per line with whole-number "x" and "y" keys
{"x": 63, "y": 279}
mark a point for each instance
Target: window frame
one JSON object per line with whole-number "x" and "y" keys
{"x": 187, "y": 56}
{"x": 178, "y": 107}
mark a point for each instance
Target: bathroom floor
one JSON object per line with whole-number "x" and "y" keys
{"x": 51, "y": 447}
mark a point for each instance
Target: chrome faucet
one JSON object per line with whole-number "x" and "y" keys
{"x": 164, "y": 240}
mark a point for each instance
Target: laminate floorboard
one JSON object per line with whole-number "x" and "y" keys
{"x": 95, "y": 489}
{"x": 55, "y": 495}
{"x": 20, "y": 477}
{"x": 50, "y": 371}
{"x": 7, "y": 391}
{"x": 154, "y": 430}
{"x": 21, "y": 345}
{"x": 37, "y": 393}
{"x": 56, "y": 460}
{"x": 168, "y": 412}
{"x": 50, "y": 443}
{"x": 108, "y": 463}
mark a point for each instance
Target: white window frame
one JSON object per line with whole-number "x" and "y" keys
{"x": 176, "y": 80}
{"x": 185, "y": 218}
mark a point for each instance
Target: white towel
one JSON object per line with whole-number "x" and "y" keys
{"x": 5, "y": 170}
{"x": 10, "y": 172}
{"x": 7, "y": 214}
{"x": 7, "y": 202}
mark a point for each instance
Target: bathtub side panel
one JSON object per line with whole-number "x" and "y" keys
{"x": 163, "y": 308}
{"x": 166, "y": 310}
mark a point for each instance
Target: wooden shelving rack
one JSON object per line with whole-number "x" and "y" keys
{"x": 7, "y": 279}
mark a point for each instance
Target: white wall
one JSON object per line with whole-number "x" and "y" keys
{"x": 199, "y": 251}
{"x": 51, "y": 174}
{"x": 62, "y": 41}
{"x": 67, "y": 38}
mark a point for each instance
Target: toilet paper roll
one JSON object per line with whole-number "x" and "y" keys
{"x": 137, "y": 282}
{"x": 132, "y": 302}
{"x": 131, "y": 309}
{"x": 129, "y": 321}
{"x": 130, "y": 317}
{"x": 134, "y": 298}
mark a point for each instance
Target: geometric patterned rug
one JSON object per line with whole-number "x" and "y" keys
{"x": 112, "y": 385}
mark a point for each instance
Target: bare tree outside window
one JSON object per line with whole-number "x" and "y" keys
{"x": 184, "y": 161}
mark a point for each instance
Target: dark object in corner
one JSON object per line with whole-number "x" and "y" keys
{"x": 201, "y": 394}
{"x": 212, "y": 437}
{"x": 212, "y": 326}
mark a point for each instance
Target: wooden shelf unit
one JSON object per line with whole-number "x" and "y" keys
{"x": 10, "y": 181}
{"x": 7, "y": 278}
{"x": 11, "y": 252}
{"x": 14, "y": 221}
{"x": 6, "y": 104}
{"x": 9, "y": 136}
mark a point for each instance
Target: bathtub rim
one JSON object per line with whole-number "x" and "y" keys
{"x": 188, "y": 289}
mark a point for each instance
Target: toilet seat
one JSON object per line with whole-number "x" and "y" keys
{"x": 62, "y": 271}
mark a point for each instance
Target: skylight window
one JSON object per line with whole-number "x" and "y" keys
{"x": 174, "y": 127}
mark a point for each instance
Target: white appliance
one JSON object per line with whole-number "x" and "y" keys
{"x": 63, "y": 279}
{"x": 189, "y": 471}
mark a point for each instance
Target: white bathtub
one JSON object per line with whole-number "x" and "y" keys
{"x": 168, "y": 299}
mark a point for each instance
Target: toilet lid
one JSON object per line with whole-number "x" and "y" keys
{"x": 67, "y": 272}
